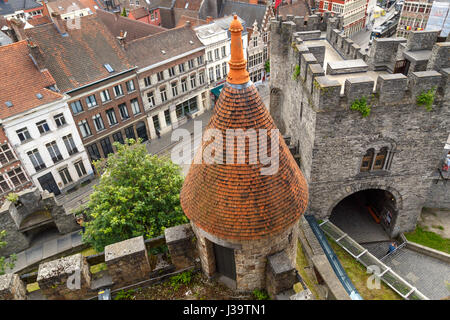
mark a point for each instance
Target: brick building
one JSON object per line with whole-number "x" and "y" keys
{"x": 353, "y": 11}
{"x": 38, "y": 123}
{"x": 172, "y": 79}
{"x": 414, "y": 16}
{"x": 91, "y": 67}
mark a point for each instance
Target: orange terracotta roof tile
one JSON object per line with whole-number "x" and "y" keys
{"x": 235, "y": 201}
{"x": 22, "y": 81}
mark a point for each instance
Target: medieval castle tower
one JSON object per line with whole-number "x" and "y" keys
{"x": 319, "y": 77}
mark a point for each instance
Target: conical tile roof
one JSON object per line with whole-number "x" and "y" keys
{"x": 236, "y": 201}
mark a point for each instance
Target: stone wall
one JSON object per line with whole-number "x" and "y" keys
{"x": 11, "y": 287}
{"x": 127, "y": 261}
{"x": 280, "y": 274}
{"x": 181, "y": 243}
{"x": 333, "y": 138}
{"x": 250, "y": 256}
{"x": 439, "y": 195}
{"x": 67, "y": 278}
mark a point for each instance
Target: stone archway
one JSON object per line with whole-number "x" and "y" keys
{"x": 276, "y": 108}
{"x": 367, "y": 212}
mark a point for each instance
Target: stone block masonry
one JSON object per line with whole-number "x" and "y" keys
{"x": 67, "y": 278}
{"x": 333, "y": 139}
{"x": 11, "y": 287}
{"x": 181, "y": 243}
{"x": 280, "y": 274}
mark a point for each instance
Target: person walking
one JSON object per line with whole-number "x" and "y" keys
{"x": 392, "y": 247}
{"x": 80, "y": 221}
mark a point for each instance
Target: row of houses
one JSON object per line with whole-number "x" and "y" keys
{"x": 70, "y": 93}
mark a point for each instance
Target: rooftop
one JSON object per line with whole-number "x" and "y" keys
{"x": 22, "y": 82}
{"x": 79, "y": 58}
{"x": 12, "y": 6}
{"x": 156, "y": 48}
{"x": 248, "y": 12}
{"x": 65, "y": 6}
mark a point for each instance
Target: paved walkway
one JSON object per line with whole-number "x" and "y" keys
{"x": 430, "y": 275}
{"x": 53, "y": 246}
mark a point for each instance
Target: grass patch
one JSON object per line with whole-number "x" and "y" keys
{"x": 358, "y": 275}
{"x": 429, "y": 239}
{"x": 438, "y": 227}
{"x": 88, "y": 252}
{"x": 98, "y": 267}
{"x": 32, "y": 287}
{"x": 302, "y": 263}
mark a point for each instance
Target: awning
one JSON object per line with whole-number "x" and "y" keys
{"x": 216, "y": 91}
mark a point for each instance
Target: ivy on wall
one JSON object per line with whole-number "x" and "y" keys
{"x": 296, "y": 72}
{"x": 426, "y": 98}
{"x": 361, "y": 106}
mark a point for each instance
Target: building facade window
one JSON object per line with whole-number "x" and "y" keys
{"x": 163, "y": 93}
{"x": 81, "y": 170}
{"x": 4, "y": 185}
{"x": 174, "y": 89}
{"x": 184, "y": 85}
{"x": 17, "y": 177}
{"x": 106, "y": 146}
{"x": 374, "y": 161}
{"x": 147, "y": 81}
{"x": 84, "y": 128}
{"x": 23, "y": 134}
{"x": 156, "y": 122}
{"x": 93, "y": 151}
{"x": 36, "y": 160}
{"x": 224, "y": 51}
{"x": 160, "y": 76}
{"x": 199, "y": 60}
{"x": 218, "y": 71}
{"x": 193, "y": 81}
{"x": 201, "y": 78}
{"x": 130, "y": 86}
{"x": 187, "y": 107}
{"x": 65, "y": 176}
{"x": 216, "y": 54}
{"x": 224, "y": 69}
{"x": 211, "y": 75}
{"x": 53, "y": 150}
{"x": 91, "y": 101}
{"x": 112, "y": 120}
{"x": 191, "y": 63}
{"x": 104, "y": 95}
{"x": 167, "y": 117}
{"x": 59, "y": 120}
{"x": 151, "y": 99}
{"x": 181, "y": 67}
{"x": 118, "y": 91}
{"x": 117, "y": 137}
{"x": 76, "y": 107}
{"x": 135, "y": 106}
{"x": 6, "y": 155}
{"x": 98, "y": 122}
{"x": 171, "y": 71}
{"x": 123, "y": 111}
{"x": 129, "y": 133}
{"x": 210, "y": 56}
{"x": 70, "y": 144}
{"x": 43, "y": 127}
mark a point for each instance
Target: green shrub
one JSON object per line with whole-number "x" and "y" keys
{"x": 125, "y": 295}
{"x": 426, "y": 99}
{"x": 296, "y": 72}
{"x": 361, "y": 106}
{"x": 267, "y": 66}
{"x": 12, "y": 197}
{"x": 181, "y": 278}
{"x": 260, "y": 294}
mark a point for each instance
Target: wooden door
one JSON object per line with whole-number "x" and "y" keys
{"x": 225, "y": 263}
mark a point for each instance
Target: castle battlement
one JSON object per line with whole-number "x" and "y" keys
{"x": 335, "y": 71}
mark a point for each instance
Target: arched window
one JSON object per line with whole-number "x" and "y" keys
{"x": 380, "y": 159}
{"x": 367, "y": 160}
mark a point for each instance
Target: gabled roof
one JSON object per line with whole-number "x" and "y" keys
{"x": 4, "y": 39}
{"x": 37, "y": 21}
{"x": 162, "y": 46}
{"x": 235, "y": 201}
{"x": 296, "y": 9}
{"x": 64, "y": 6}
{"x": 188, "y": 4}
{"x": 78, "y": 59}
{"x": 248, "y": 12}
{"x": 160, "y": 4}
{"x": 194, "y": 21}
{"x": 139, "y": 13}
{"x": 12, "y": 6}
{"x": 22, "y": 81}
{"x": 135, "y": 29}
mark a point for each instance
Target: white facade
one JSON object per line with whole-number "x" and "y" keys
{"x": 257, "y": 53}
{"x": 56, "y": 135}
{"x": 217, "y": 47}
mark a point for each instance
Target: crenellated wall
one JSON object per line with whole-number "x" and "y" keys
{"x": 314, "y": 111}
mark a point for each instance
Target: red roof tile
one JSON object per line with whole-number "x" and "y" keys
{"x": 235, "y": 201}
{"x": 21, "y": 81}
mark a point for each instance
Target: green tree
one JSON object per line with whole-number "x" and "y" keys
{"x": 138, "y": 194}
{"x": 124, "y": 13}
{"x": 3, "y": 262}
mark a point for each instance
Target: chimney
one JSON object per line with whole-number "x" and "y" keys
{"x": 19, "y": 29}
{"x": 209, "y": 19}
{"x": 122, "y": 39}
{"x": 59, "y": 23}
{"x": 188, "y": 24}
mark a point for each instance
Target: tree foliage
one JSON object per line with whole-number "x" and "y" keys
{"x": 138, "y": 194}
{"x": 124, "y": 13}
{"x": 3, "y": 262}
